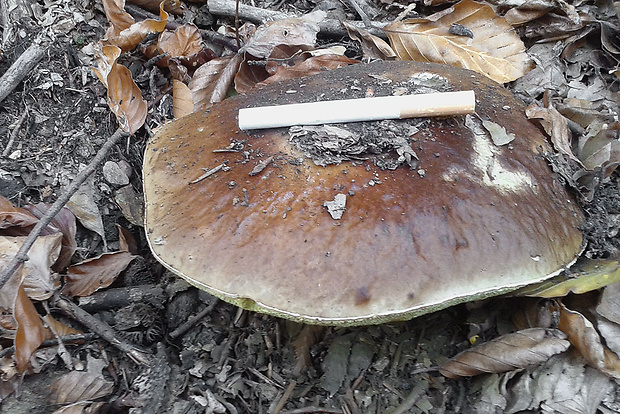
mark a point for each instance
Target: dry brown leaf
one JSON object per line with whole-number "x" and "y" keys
{"x": 311, "y": 66}
{"x": 30, "y": 330}
{"x": 60, "y": 328}
{"x": 600, "y": 148}
{"x": 106, "y": 57}
{"x": 212, "y": 80}
{"x": 11, "y": 216}
{"x": 584, "y": 337}
{"x": 85, "y": 278}
{"x": 39, "y": 281}
{"x": 79, "y": 386}
{"x": 249, "y": 75}
{"x": 124, "y": 32}
{"x": 506, "y": 353}
{"x": 83, "y": 205}
{"x": 373, "y": 47}
{"x": 185, "y": 41}
{"x": 556, "y": 127}
{"x": 63, "y": 222}
{"x": 486, "y": 43}
{"x": 182, "y": 103}
{"x": 294, "y": 31}
{"x": 126, "y": 241}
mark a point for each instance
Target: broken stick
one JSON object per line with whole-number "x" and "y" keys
{"x": 355, "y": 110}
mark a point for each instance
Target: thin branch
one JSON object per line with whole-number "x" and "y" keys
{"x": 20, "y": 68}
{"x": 101, "y": 328}
{"x": 22, "y": 254}
{"x": 14, "y": 133}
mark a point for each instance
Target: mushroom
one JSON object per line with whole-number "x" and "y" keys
{"x": 367, "y": 232}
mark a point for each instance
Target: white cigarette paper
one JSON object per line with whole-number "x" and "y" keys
{"x": 354, "y": 110}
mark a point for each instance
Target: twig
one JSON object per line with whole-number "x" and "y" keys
{"x": 411, "y": 399}
{"x": 361, "y": 13}
{"x": 66, "y": 339}
{"x": 13, "y": 135}
{"x": 193, "y": 320}
{"x": 22, "y": 254}
{"x": 119, "y": 297}
{"x": 313, "y": 410}
{"x": 101, "y": 328}
{"x": 329, "y": 27}
{"x": 20, "y": 68}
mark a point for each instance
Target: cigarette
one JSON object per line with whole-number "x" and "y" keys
{"x": 355, "y": 110}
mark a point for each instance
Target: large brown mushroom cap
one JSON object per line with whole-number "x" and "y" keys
{"x": 473, "y": 220}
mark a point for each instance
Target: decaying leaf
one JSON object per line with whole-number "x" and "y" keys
{"x": 30, "y": 330}
{"x": 584, "y": 337}
{"x": 124, "y": 96}
{"x": 58, "y": 327}
{"x": 294, "y": 31}
{"x": 11, "y": 216}
{"x": 63, "y": 222}
{"x": 585, "y": 276}
{"x": 495, "y": 50}
{"x": 212, "y": 80}
{"x": 39, "y": 281}
{"x": 310, "y": 66}
{"x": 79, "y": 386}
{"x": 82, "y": 204}
{"x": 185, "y": 41}
{"x": 123, "y": 31}
{"x": 373, "y": 47}
{"x": 556, "y": 127}
{"x": 498, "y": 133}
{"x": 85, "y": 278}
{"x": 506, "y": 353}
{"x": 182, "y": 103}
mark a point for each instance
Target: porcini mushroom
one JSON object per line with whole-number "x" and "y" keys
{"x": 374, "y": 234}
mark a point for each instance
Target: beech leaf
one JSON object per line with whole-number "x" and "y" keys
{"x": 294, "y": 31}
{"x": 585, "y": 276}
{"x": 486, "y": 43}
{"x": 63, "y": 222}
{"x": 124, "y": 32}
{"x": 85, "y": 278}
{"x": 11, "y": 216}
{"x": 184, "y": 41}
{"x": 212, "y": 80}
{"x": 556, "y": 126}
{"x": 79, "y": 386}
{"x": 182, "y": 103}
{"x": 373, "y": 47}
{"x": 30, "y": 330}
{"x": 584, "y": 337}
{"x": 506, "y": 353}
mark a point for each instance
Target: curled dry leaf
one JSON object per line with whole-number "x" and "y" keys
{"x": 556, "y": 127}
{"x": 39, "y": 281}
{"x": 294, "y": 31}
{"x": 584, "y": 337}
{"x": 124, "y": 32}
{"x": 182, "y": 103}
{"x": 11, "y": 216}
{"x": 310, "y": 66}
{"x": 60, "y": 328}
{"x": 124, "y": 96}
{"x": 126, "y": 241}
{"x": 63, "y": 222}
{"x": 85, "y": 278}
{"x": 212, "y": 80}
{"x": 494, "y": 49}
{"x": 79, "y": 386}
{"x": 185, "y": 41}
{"x": 506, "y": 353}
{"x": 83, "y": 205}
{"x": 30, "y": 330}
{"x": 373, "y": 47}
